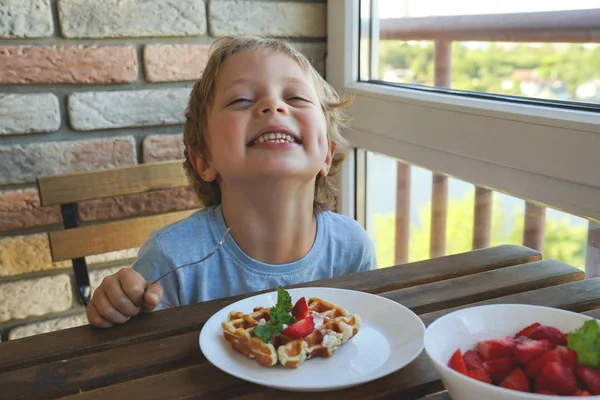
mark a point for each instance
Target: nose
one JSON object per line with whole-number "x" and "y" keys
{"x": 272, "y": 106}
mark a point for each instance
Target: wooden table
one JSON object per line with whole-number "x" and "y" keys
{"x": 157, "y": 355}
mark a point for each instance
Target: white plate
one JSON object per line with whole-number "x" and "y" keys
{"x": 390, "y": 338}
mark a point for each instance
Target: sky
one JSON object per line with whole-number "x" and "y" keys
{"x": 422, "y": 8}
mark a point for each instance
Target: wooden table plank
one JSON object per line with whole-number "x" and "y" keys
{"x": 416, "y": 380}
{"x": 445, "y": 293}
{"x": 85, "y": 339}
{"x": 437, "y": 396}
{"x": 469, "y": 289}
{"x": 593, "y": 313}
{"x": 577, "y": 296}
{"x": 68, "y": 376}
{"x": 207, "y": 382}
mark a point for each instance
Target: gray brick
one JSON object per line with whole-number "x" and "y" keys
{"x": 25, "y": 19}
{"x": 289, "y": 19}
{"x": 131, "y": 18}
{"x": 51, "y": 325}
{"x": 22, "y": 163}
{"x": 107, "y": 110}
{"x": 35, "y": 297}
{"x": 28, "y": 113}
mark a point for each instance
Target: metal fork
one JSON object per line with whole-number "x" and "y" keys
{"x": 213, "y": 251}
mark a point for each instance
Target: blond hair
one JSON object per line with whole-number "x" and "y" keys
{"x": 203, "y": 93}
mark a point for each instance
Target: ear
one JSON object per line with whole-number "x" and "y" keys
{"x": 329, "y": 159}
{"x": 203, "y": 167}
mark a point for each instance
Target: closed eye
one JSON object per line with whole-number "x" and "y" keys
{"x": 299, "y": 98}
{"x": 239, "y": 101}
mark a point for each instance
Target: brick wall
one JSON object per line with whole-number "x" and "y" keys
{"x": 88, "y": 84}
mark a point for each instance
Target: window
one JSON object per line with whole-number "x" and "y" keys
{"x": 528, "y": 149}
{"x": 511, "y": 48}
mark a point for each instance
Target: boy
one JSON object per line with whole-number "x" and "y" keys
{"x": 262, "y": 139}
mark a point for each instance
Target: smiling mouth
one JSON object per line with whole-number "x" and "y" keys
{"x": 275, "y": 138}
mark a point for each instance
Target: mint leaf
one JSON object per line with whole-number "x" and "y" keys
{"x": 264, "y": 332}
{"x": 585, "y": 341}
{"x": 284, "y": 300}
{"x": 280, "y": 315}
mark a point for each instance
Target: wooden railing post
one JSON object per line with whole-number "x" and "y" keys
{"x": 439, "y": 194}
{"x": 482, "y": 221}
{"x": 592, "y": 258}
{"x": 535, "y": 224}
{"x": 403, "y": 183}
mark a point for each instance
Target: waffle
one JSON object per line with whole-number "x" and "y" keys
{"x": 334, "y": 326}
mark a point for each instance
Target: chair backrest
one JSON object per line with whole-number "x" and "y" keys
{"x": 75, "y": 242}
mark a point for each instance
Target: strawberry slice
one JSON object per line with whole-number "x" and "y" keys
{"x": 528, "y": 349}
{"x": 527, "y": 330}
{"x": 480, "y": 375}
{"x": 516, "y": 380}
{"x": 473, "y": 360}
{"x": 457, "y": 362}
{"x": 532, "y": 369}
{"x": 300, "y": 328}
{"x": 582, "y": 393}
{"x": 499, "y": 368}
{"x": 496, "y": 348}
{"x": 558, "y": 378}
{"x": 550, "y": 333}
{"x": 300, "y": 310}
{"x": 568, "y": 357}
{"x": 590, "y": 378}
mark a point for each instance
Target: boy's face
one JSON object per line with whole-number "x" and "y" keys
{"x": 265, "y": 121}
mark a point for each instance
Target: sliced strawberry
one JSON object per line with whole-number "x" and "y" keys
{"x": 300, "y": 328}
{"x": 457, "y": 362}
{"x": 567, "y": 356}
{"x": 496, "y": 348}
{"x": 473, "y": 360}
{"x": 529, "y": 349}
{"x": 558, "y": 378}
{"x": 582, "y": 393}
{"x": 499, "y": 368}
{"x": 590, "y": 378}
{"x": 300, "y": 310}
{"x": 550, "y": 333}
{"x": 527, "y": 330}
{"x": 480, "y": 375}
{"x": 516, "y": 380}
{"x": 533, "y": 368}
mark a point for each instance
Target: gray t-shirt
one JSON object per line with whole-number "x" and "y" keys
{"x": 341, "y": 247}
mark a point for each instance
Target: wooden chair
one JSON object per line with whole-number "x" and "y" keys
{"x": 75, "y": 242}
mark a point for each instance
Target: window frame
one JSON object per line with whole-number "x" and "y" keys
{"x": 516, "y": 153}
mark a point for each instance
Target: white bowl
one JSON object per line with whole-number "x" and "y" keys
{"x": 462, "y": 329}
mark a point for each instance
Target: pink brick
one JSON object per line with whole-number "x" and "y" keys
{"x": 174, "y": 62}
{"x": 21, "y": 209}
{"x": 157, "y": 148}
{"x": 67, "y": 64}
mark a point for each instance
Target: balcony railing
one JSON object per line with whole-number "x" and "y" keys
{"x": 556, "y": 26}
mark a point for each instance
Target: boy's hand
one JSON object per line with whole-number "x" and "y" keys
{"x": 121, "y": 296}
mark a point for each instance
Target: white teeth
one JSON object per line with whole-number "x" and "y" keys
{"x": 275, "y": 138}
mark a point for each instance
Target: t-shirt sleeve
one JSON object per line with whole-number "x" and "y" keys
{"x": 369, "y": 258}
{"x": 151, "y": 263}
